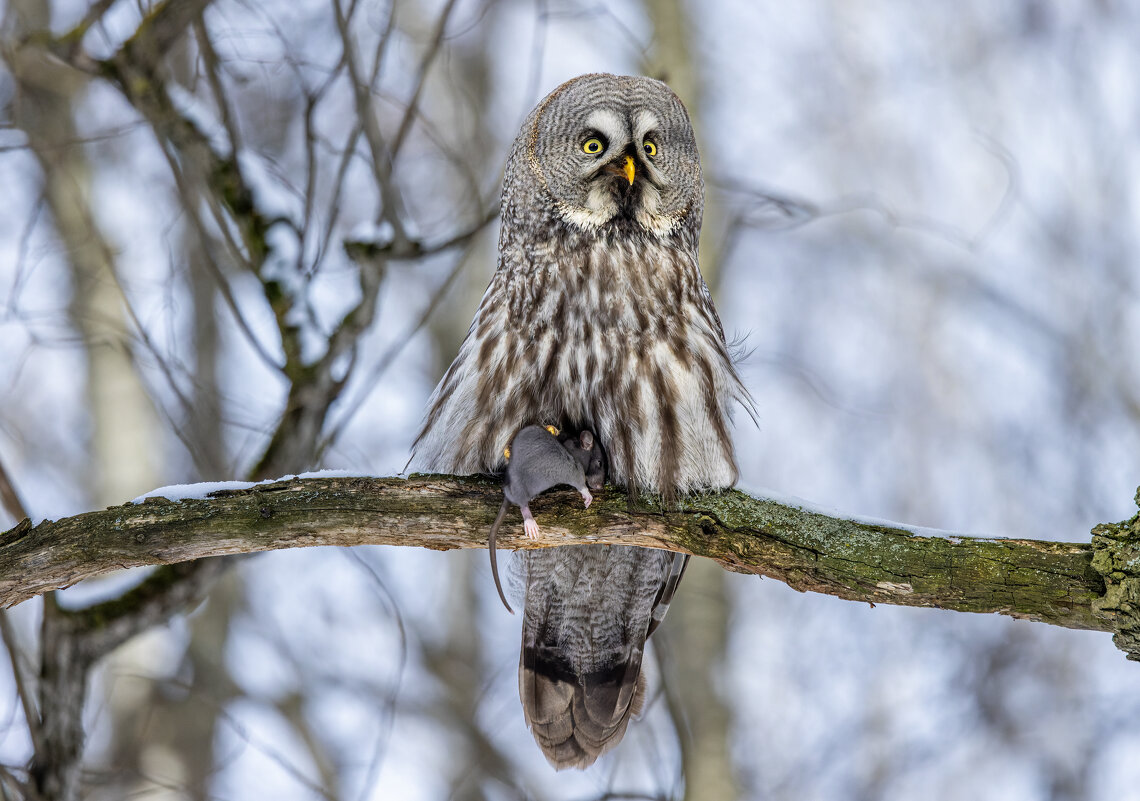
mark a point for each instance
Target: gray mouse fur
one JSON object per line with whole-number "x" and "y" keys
{"x": 584, "y": 447}
{"x": 538, "y": 461}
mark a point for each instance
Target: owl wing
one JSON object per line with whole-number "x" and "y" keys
{"x": 661, "y": 605}
{"x": 588, "y": 612}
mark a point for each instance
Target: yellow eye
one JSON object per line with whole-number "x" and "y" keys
{"x": 649, "y": 148}
{"x": 593, "y": 146}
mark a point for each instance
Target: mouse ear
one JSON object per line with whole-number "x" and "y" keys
{"x": 586, "y": 440}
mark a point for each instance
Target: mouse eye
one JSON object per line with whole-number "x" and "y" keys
{"x": 593, "y": 146}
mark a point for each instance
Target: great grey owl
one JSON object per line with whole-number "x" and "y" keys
{"x": 596, "y": 318}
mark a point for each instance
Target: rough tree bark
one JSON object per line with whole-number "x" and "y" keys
{"x": 1076, "y": 585}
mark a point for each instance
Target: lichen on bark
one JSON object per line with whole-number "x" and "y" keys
{"x": 1116, "y": 556}
{"x": 1052, "y": 582}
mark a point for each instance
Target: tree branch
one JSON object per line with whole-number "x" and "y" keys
{"x": 1051, "y": 582}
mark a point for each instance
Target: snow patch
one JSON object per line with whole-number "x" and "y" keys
{"x": 203, "y": 489}
{"x": 379, "y": 233}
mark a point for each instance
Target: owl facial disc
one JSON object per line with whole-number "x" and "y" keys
{"x": 616, "y": 152}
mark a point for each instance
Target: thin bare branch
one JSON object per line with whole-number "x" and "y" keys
{"x": 384, "y": 362}
{"x": 25, "y": 688}
{"x": 74, "y": 37}
{"x": 12, "y": 503}
{"x": 390, "y": 201}
{"x": 9, "y": 498}
{"x": 190, "y": 205}
{"x": 214, "y": 78}
{"x": 425, "y": 67}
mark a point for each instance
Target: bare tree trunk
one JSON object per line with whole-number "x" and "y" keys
{"x": 204, "y": 429}
{"x": 123, "y": 426}
{"x": 122, "y": 418}
{"x": 694, "y": 658}
{"x": 153, "y": 726}
{"x": 458, "y": 661}
{"x": 698, "y": 628}
{"x": 670, "y": 59}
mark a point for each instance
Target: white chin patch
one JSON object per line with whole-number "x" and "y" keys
{"x": 649, "y": 215}
{"x": 600, "y": 208}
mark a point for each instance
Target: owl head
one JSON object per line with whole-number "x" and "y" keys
{"x": 607, "y": 151}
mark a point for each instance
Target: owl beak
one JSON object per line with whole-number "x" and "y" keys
{"x": 628, "y": 169}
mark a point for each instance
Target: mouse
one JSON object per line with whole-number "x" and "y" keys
{"x": 540, "y": 458}
{"x": 586, "y": 448}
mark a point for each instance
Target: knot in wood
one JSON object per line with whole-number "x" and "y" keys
{"x": 1116, "y": 556}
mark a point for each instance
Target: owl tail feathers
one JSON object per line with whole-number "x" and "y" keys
{"x": 576, "y": 719}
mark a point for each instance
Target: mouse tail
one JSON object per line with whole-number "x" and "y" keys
{"x": 491, "y": 551}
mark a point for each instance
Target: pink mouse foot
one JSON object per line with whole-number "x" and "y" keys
{"x": 531, "y": 528}
{"x": 587, "y": 497}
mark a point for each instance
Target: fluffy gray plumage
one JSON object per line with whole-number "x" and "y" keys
{"x": 597, "y": 317}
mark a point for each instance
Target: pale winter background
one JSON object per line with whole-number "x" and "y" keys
{"x": 923, "y": 220}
